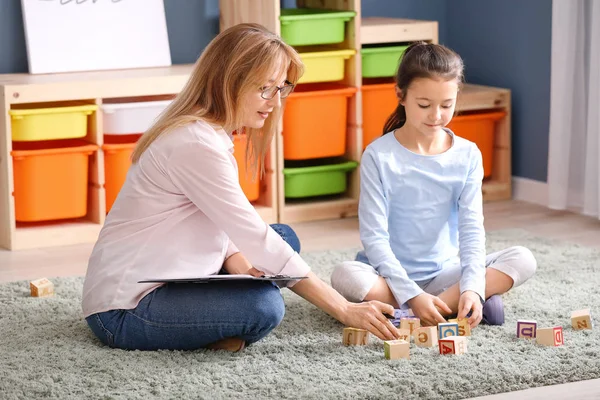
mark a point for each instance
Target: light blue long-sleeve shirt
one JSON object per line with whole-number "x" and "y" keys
{"x": 419, "y": 212}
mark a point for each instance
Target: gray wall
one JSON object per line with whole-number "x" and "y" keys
{"x": 191, "y": 25}
{"x": 13, "y": 56}
{"x": 504, "y": 43}
{"x": 507, "y": 43}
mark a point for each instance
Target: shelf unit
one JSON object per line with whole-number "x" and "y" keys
{"x": 485, "y": 98}
{"x": 360, "y": 32}
{"x": 267, "y": 13}
{"x": 17, "y": 90}
{"x": 50, "y": 90}
{"x": 356, "y": 31}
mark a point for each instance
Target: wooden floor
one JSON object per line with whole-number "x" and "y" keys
{"x": 339, "y": 234}
{"x": 321, "y": 235}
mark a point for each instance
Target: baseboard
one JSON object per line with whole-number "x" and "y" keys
{"x": 530, "y": 190}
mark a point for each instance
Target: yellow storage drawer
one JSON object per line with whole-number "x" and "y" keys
{"x": 50, "y": 123}
{"x": 324, "y": 66}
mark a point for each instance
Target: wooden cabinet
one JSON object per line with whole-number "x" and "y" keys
{"x": 23, "y": 90}
{"x": 362, "y": 32}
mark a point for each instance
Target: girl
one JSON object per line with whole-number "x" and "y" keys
{"x": 182, "y": 213}
{"x": 421, "y": 206}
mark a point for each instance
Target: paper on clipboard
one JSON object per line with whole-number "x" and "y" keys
{"x": 225, "y": 277}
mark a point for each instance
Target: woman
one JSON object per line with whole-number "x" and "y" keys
{"x": 182, "y": 213}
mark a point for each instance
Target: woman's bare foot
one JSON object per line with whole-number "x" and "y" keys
{"x": 229, "y": 344}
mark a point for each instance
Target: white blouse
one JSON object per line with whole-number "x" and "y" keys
{"x": 180, "y": 213}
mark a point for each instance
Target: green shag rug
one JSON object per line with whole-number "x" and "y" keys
{"x": 47, "y": 350}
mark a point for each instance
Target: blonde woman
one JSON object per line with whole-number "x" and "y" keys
{"x": 182, "y": 213}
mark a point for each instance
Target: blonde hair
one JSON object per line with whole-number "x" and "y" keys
{"x": 237, "y": 61}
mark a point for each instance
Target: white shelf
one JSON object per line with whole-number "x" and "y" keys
{"x": 375, "y": 30}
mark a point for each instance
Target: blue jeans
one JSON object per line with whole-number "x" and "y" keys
{"x": 192, "y": 316}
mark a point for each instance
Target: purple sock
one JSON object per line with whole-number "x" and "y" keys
{"x": 493, "y": 311}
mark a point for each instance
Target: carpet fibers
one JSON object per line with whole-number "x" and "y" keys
{"x": 47, "y": 350}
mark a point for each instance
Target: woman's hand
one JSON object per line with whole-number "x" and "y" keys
{"x": 470, "y": 302}
{"x": 425, "y": 306}
{"x": 238, "y": 264}
{"x": 369, "y": 315}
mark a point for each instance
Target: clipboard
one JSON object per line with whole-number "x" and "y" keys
{"x": 226, "y": 278}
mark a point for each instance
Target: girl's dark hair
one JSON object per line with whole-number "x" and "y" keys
{"x": 423, "y": 60}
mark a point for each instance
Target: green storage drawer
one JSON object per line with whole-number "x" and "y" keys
{"x": 381, "y": 61}
{"x": 311, "y": 26}
{"x": 318, "y": 180}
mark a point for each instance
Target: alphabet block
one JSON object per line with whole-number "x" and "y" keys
{"x": 582, "y": 319}
{"x": 411, "y": 323}
{"x": 395, "y": 349}
{"x": 526, "y": 329}
{"x": 453, "y": 345}
{"x": 464, "y": 329}
{"x": 41, "y": 288}
{"x": 550, "y": 336}
{"x": 355, "y": 337}
{"x": 425, "y": 336}
{"x": 400, "y": 313}
{"x": 404, "y": 334}
{"x": 446, "y": 329}
{"x": 397, "y": 317}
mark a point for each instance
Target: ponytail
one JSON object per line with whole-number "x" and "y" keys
{"x": 395, "y": 120}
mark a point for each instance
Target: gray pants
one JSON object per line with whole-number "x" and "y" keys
{"x": 354, "y": 279}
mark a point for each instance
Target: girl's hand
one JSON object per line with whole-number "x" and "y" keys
{"x": 425, "y": 306}
{"x": 470, "y": 301}
{"x": 369, "y": 315}
{"x": 238, "y": 264}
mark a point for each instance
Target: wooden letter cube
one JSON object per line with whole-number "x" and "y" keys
{"x": 426, "y": 336}
{"x": 399, "y": 314}
{"x": 395, "y": 349}
{"x": 464, "y": 329}
{"x": 453, "y": 345}
{"x": 582, "y": 319}
{"x": 526, "y": 329}
{"x": 355, "y": 337}
{"x": 446, "y": 329}
{"x": 404, "y": 334}
{"x": 41, "y": 288}
{"x": 410, "y": 323}
{"x": 550, "y": 336}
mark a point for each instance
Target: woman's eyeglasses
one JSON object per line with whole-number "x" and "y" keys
{"x": 269, "y": 93}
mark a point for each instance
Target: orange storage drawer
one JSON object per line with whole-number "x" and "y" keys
{"x": 51, "y": 179}
{"x": 315, "y": 121}
{"x": 378, "y": 102}
{"x": 250, "y": 187}
{"x": 479, "y": 128}
{"x": 117, "y": 160}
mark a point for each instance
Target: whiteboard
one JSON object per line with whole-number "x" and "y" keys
{"x": 88, "y": 35}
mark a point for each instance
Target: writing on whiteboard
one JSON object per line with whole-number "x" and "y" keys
{"x": 63, "y": 2}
